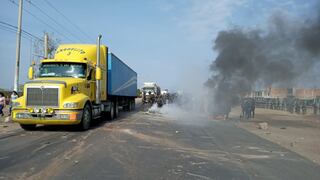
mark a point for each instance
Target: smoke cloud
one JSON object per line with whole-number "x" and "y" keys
{"x": 278, "y": 55}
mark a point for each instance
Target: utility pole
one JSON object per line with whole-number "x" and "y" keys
{"x": 46, "y": 47}
{"x": 16, "y": 77}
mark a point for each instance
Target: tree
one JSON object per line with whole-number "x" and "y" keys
{"x": 52, "y": 45}
{"x": 39, "y": 47}
{"x": 138, "y": 92}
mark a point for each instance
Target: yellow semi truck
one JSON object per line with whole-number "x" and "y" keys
{"x": 81, "y": 83}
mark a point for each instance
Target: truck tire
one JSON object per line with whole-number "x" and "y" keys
{"x": 86, "y": 118}
{"x": 126, "y": 107}
{"x": 28, "y": 127}
{"x": 130, "y": 106}
{"x": 116, "y": 109}
{"x": 111, "y": 113}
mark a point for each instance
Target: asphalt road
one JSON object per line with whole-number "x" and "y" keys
{"x": 143, "y": 145}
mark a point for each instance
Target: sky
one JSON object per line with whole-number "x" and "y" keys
{"x": 165, "y": 41}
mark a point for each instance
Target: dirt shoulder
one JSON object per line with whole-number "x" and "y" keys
{"x": 298, "y": 133}
{"x": 6, "y": 125}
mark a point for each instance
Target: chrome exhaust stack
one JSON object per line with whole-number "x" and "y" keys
{"x": 98, "y": 82}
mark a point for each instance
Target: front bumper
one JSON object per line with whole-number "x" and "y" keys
{"x": 59, "y": 117}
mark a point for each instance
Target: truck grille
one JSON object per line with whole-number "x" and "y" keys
{"x": 42, "y": 96}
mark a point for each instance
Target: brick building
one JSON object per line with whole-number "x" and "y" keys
{"x": 276, "y": 92}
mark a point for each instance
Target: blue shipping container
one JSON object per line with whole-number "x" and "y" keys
{"x": 122, "y": 80}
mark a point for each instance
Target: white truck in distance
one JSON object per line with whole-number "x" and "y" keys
{"x": 150, "y": 92}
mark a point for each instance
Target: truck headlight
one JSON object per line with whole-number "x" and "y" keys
{"x": 71, "y": 105}
{"x": 22, "y": 116}
{"x": 15, "y": 104}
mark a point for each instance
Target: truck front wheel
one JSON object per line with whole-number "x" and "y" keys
{"x": 28, "y": 127}
{"x": 86, "y": 118}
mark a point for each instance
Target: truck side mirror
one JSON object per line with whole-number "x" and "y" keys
{"x": 98, "y": 73}
{"x": 30, "y": 73}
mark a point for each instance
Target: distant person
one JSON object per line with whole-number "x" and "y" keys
{"x": 152, "y": 98}
{"x": 2, "y": 103}
{"x": 304, "y": 108}
{"x": 13, "y": 97}
{"x": 227, "y": 110}
{"x": 253, "y": 108}
{"x": 144, "y": 97}
{"x": 315, "y": 108}
{"x": 243, "y": 108}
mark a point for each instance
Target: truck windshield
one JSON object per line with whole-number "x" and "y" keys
{"x": 76, "y": 70}
{"x": 147, "y": 90}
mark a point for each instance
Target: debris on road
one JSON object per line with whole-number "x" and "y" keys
{"x": 7, "y": 120}
{"x": 294, "y": 132}
{"x": 263, "y": 126}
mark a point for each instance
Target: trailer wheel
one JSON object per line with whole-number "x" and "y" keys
{"x": 130, "y": 106}
{"x": 111, "y": 113}
{"x": 86, "y": 118}
{"x": 28, "y": 127}
{"x": 116, "y": 109}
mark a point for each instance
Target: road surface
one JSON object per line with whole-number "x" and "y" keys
{"x": 142, "y": 145}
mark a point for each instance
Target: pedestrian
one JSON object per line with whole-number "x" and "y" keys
{"x": 14, "y": 96}
{"x": 243, "y": 108}
{"x": 144, "y": 99}
{"x": 227, "y": 111}
{"x": 253, "y": 108}
{"x": 315, "y": 109}
{"x": 2, "y": 103}
{"x": 304, "y": 108}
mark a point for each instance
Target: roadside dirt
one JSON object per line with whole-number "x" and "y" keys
{"x": 298, "y": 133}
{"x": 6, "y": 125}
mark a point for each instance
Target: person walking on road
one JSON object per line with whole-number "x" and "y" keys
{"x": 2, "y": 103}
{"x": 13, "y": 97}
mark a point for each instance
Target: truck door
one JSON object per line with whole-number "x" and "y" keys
{"x": 91, "y": 84}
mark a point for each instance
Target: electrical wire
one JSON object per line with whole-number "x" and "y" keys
{"x": 23, "y": 31}
{"x": 14, "y": 30}
{"x": 67, "y": 19}
{"x": 40, "y": 20}
{"x": 53, "y": 20}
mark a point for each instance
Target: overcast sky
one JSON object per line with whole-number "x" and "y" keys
{"x": 165, "y": 41}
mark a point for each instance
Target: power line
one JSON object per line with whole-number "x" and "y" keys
{"x": 40, "y": 20}
{"x": 24, "y": 31}
{"x": 67, "y": 19}
{"x": 8, "y": 29}
{"x": 52, "y": 19}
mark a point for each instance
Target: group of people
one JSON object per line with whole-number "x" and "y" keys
{"x": 151, "y": 98}
{"x": 248, "y": 106}
{"x": 3, "y": 102}
{"x": 290, "y": 104}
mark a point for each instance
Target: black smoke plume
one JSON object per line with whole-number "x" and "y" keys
{"x": 277, "y": 55}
